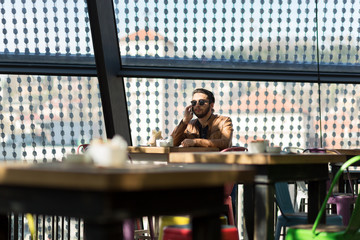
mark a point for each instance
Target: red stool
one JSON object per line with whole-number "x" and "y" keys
{"x": 183, "y": 232}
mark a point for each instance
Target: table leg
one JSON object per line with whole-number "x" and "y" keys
{"x": 248, "y": 221}
{"x": 259, "y": 211}
{"x": 235, "y": 202}
{"x": 4, "y": 227}
{"x": 339, "y": 187}
{"x": 264, "y": 212}
{"x": 206, "y": 227}
{"x": 316, "y": 192}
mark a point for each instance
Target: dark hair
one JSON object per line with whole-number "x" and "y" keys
{"x": 209, "y": 94}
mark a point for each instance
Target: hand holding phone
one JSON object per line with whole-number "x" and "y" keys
{"x": 188, "y": 114}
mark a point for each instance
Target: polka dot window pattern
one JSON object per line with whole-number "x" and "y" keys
{"x": 44, "y": 118}
{"x": 37, "y": 30}
{"x": 240, "y": 34}
{"x": 287, "y": 114}
{"x": 251, "y": 34}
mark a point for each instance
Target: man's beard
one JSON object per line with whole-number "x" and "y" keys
{"x": 201, "y": 115}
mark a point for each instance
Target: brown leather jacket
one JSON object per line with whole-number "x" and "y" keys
{"x": 219, "y": 133}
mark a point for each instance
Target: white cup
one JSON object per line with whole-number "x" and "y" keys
{"x": 109, "y": 154}
{"x": 162, "y": 143}
{"x": 258, "y": 146}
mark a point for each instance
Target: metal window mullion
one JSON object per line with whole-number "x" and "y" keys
{"x": 53, "y": 227}
{"x": 43, "y": 227}
{"x": 69, "y": 227}
{"x": 108, "y": 63}
{"x": 16, "y": 226}
{"x": 217, "y": 74}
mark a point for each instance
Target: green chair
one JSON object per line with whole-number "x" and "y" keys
{"x": 327, "y": 232}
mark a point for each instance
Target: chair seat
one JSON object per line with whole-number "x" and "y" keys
{"x": 184, "y": 233}
{"x": 301, "y": 218}
{"x": 172, "y": 220}
{"x": 289, "y": 220}
{"x": 306, "y": 234}
{"x": 344, "y": 195}
{"x": 321, "y": 227}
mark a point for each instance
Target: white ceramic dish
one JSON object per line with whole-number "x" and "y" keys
{"x": 273, "y": 149}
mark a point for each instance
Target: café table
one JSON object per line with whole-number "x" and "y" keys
{"x": 104, "y": 197}
{"x": 349, "y": 152}
{"x": 270, "y": 168}
{"x": 160, "y": 155}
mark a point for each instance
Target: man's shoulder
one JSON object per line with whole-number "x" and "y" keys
{"x": 222, "y": 118}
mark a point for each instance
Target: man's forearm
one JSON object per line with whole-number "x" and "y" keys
{"x": 179, "y": 133}
{"x": 218, "y": 143}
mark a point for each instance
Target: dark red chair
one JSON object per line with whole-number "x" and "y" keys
{"x": 229, "y": 188}
{"x": 83, "y": 147}
{"x": 235, "y": 149}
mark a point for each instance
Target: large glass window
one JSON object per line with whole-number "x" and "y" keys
{"x": 338, "y": 36}
{"x": 287, "y": 114}
{"x": 45, "y": 32}
{"x": 278, "y": 58}
{"x": 296, "y": 37}
{"x": 43, "y": 118}
{"x": 340, "y": 114}
{"x": 252, "y": 34}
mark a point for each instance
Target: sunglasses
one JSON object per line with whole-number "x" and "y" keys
{"x": 201, "y": 102}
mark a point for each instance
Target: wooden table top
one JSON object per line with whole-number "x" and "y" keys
{"x": 255, "y": 159}
{"x": 127, "y": 178}
{"x": 351, "y": 152}
{"x": 166, "y": 150}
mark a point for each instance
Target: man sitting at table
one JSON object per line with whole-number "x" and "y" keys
{"x": 208, "y": 130}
